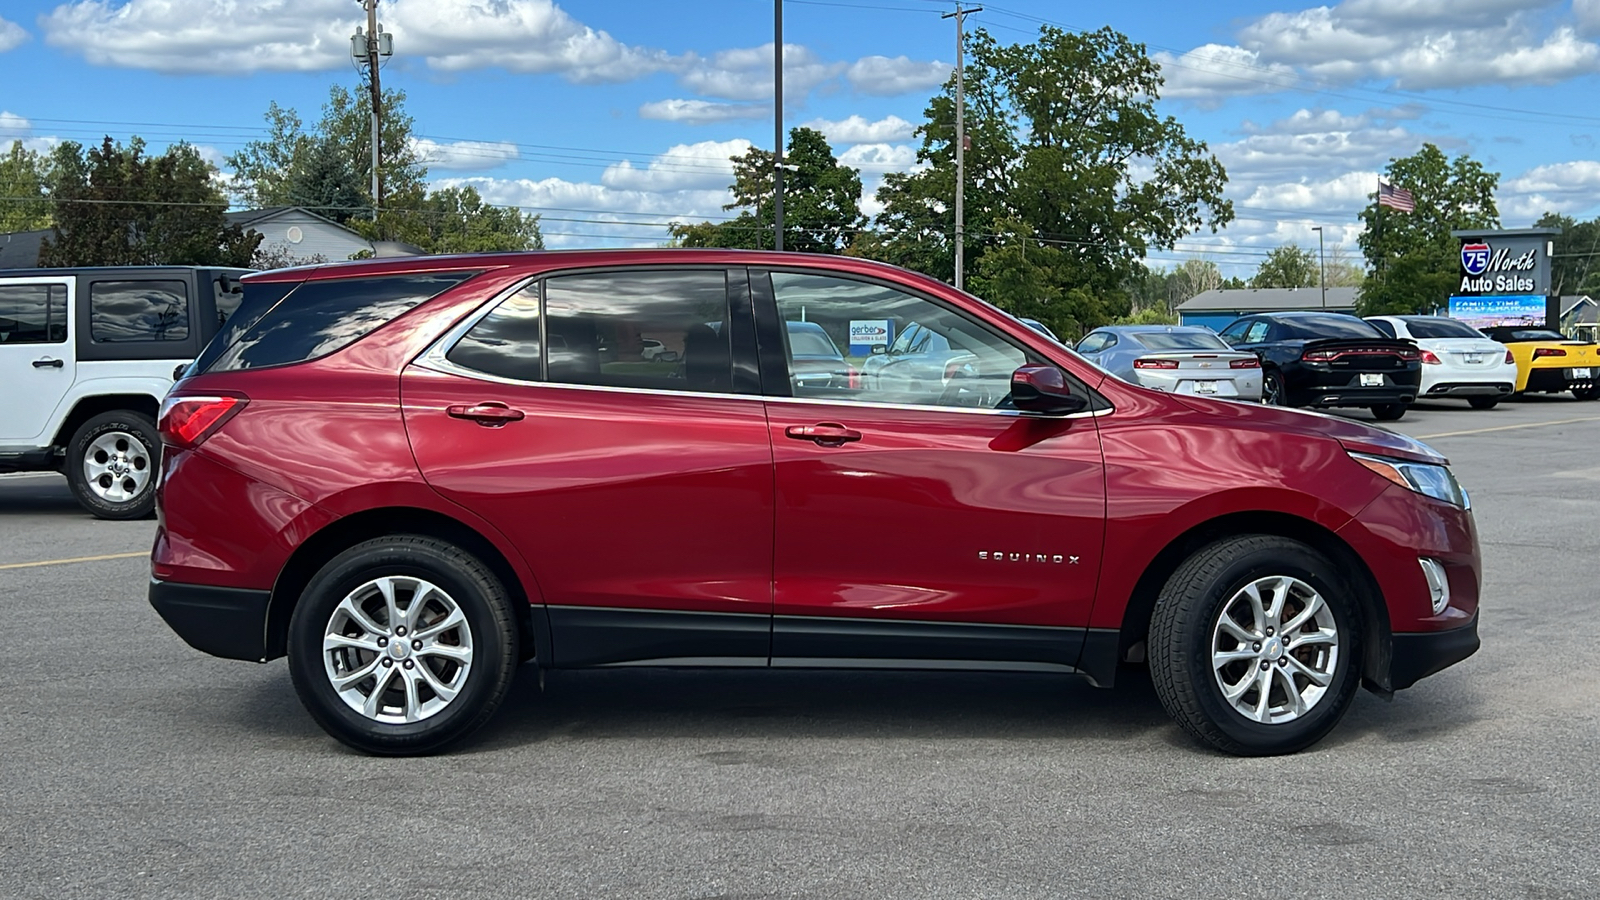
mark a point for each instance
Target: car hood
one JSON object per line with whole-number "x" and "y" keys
{"x": 1356, "y": 437}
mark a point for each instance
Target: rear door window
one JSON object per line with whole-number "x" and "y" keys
{"x": 319, "y": 318}
{"x": 1256, "y": 333}
{"x": 33, "y": 313}
{"x": 123, "y": 312}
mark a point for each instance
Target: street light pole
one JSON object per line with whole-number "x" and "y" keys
{"x": 777, "y": 116}
{"x": 961, "y": 141}
{"x": 1322, "y": 269}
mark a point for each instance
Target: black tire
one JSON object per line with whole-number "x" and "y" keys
{"x": 1483, "y": 402}
{"x": 133, "y": 436}
{"x": 1273, "y": 392}
{"x": 469, "y": 584}
{"x": 1589, "y": 393}
{"x": 1181, "y": 643}
{"x": 1389, "y": 412}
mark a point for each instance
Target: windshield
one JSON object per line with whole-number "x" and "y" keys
{"x": 1331, "y": 326}
{"x": 811, "y": 343}
{"x": 1180, "y": 340}
{"x": 1432, "y": 327}
{"x": 1534, "y": 335}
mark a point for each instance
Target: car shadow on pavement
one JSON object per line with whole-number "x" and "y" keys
{"x": 39, "y": 495}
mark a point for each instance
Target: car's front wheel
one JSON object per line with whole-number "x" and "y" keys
{"x": 112, "y": 465}
{"x": 1273, "y": 392}
{"x": 402, "y": 645}
{"x": 1254, "y": 645}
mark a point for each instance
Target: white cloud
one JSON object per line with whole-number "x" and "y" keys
{"x": 876, "y": 159}
{"x": 1566, "y": 187}
{"x": 885, "y": 77}
{"x": 707, "y": 165}
{"x": 703, "y": 112}
{"x": 520, "y": 35}
{"x": 1588, "y": 14}
{"x": 464, "y": 155}
{"x": 1213, "y": 72}
{"x": 857, "y": 130}
{"x": 746, "y": 73}
{"x": 16, "y": 128}
{"x": 11, "y": 35}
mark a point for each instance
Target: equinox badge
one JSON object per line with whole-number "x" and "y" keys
{"x": 1003, "y": 556}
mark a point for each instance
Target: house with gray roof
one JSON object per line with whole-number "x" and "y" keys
{"x": 289, "y": 234}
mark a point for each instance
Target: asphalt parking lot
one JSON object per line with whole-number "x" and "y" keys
{"x": 131, "y": 765}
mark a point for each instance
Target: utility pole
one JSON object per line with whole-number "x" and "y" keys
{"x": 777, "y": 118}
{"x": 961, "y": 141}
{"x": 370, "y": 48}
{"x": 1322, "y": 268}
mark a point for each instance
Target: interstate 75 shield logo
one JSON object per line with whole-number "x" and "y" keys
{"x": 1475, "y": 258}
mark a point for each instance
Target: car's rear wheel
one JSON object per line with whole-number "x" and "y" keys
{"x": 402, "y": 645}
{"x": 1389, "y": 412}
{"x": 1483, "y": 402}
{"x": 1272, "y": 389}
{"x": 1588, "y": 393}
{"x": 112, "y": 465}
{"x": 1255, "y": 645}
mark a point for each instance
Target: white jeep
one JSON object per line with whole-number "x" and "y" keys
{"x": 86, "y": 355}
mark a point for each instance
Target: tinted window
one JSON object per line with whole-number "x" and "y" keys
{"x": 939, "y": 358}
{"x": 124, "y": 311}
{"x": 597, "y": 326}
{"x": 324, "y": 316}
{"x": 1536, "y": 335}
{"x": 1440, "y": 328}
{"x": 1180, "y": 340}
{"x": 229, "y": 295}
{"x": 1329, "y": 326}
{"x": 256, "y": 300}
{"x": 1387, "y": 327}
{"x": 506, "y": 341}
{"x": 33, "y": 313}
{"x": 1092, "y": 343}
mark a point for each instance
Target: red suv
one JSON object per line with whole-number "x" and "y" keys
{"x": 409, "y": 476}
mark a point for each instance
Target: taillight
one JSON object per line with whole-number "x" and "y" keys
{"x": 1155, "y": 364}
{"x": 854, "y": 376}
{"x": 1510, "y": 360}
{"x": 1430, "y": 359}
{"x": 1548, "y": 351}
{"x": 1251, "y": 363}
{"x": 187, "y": 421}
{"x": 1318, "y": 356}
{"x": 1412, "y": 355}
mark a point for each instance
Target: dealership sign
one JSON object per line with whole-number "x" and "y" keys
{"x": 1486, "y": 312}
{"x": 1507, "y": 263}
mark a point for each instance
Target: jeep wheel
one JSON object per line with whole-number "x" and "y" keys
{"x": 402, "y": 645}
{"x": 1255, "y": 645}
{"x": 112, "y": 465}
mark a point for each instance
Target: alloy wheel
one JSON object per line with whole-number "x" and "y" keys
{"x": 1274, "y": 649}
{"x": 117, "y": 466}
{"x": 397, "y": 649}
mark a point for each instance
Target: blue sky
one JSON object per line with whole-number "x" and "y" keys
{"x": 603, "y": 114}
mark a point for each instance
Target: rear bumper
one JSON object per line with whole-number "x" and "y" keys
{"x": 226, "y": 622}
{"x": 1416, "y": 656}
{"x": 1555, "y": 380}
{"x": 1355, "y": 397}
{"x": 1469, "y": 389}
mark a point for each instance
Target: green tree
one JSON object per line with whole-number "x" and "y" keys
{"x": 1340, "y": 270}
{"x": 1068, "y": 151}
{"x": 1288, "y": 266}
{"x": 821, "y": 201}
{"x": 1573, "y": 268}
{"x": 457, "y": 220}
{"x": 1414, "y": 262}
{"x": 115, "y": 206}
{"x": 24, "y": 187}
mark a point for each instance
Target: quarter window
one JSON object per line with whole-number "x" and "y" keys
{"x": 1256, "y": 333}
{"x": 1092, "y": 343}
{"x": 33, "y": 313}
{"x": 931, "y": 357}
{"x": 123, "y": 312}
{"x": 504, "y": 343}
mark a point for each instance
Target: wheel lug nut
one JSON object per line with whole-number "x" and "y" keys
{"x": 1283, "y": 660}
{"x": 400, "y": 631}
{"x": 383, "y": 642}
{"x": 1269, "y": 632}
{"x": 387, "y": 662}
{"x": 416, "y": 645}
{"x": 408, "y": 664}
{"x": 1264, "y": 665}
{"x": 1256, "y": 646}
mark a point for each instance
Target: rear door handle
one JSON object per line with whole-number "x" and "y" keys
{"x": 48, "y": 363}
{"x": 825, "y": 434}
{"x": 490, "y": 414}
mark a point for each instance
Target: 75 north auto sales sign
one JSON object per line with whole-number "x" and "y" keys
{"x": 1512, "y": 264}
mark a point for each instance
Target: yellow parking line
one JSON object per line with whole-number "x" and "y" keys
{"x": 78, "y": 559}
{"x": 1508, "y": 427}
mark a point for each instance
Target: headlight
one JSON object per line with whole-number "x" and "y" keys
{"x": 1424, "y": 478}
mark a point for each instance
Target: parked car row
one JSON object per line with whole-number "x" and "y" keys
{"x": 1320, "y": 359}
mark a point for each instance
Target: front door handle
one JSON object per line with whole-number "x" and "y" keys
{"x": 48, "y": 363}
{"x": 825, "y": 434}
{"x": 490, "y": 414}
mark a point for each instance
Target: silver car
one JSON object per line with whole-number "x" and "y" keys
{"x": 1178, "y": 359}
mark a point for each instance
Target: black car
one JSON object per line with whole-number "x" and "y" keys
{"x": 1329, "y": 359}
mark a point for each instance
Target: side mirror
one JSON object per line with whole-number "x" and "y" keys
{"x": 1043, "y": 389}
{"x": 879, "y": 349}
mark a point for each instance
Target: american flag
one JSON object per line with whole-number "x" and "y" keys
{"x": 1396, "y": 198}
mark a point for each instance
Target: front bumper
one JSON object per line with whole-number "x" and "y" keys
{"x": 226, "y": 622}
{"x": 1415, "y": 656}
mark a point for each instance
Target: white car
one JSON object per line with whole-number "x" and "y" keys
{"x": 86, "y": 356}
{"x": 1457, "y": 360}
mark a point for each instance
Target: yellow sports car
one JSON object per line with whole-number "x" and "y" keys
{"x": 1548, "y": 363}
